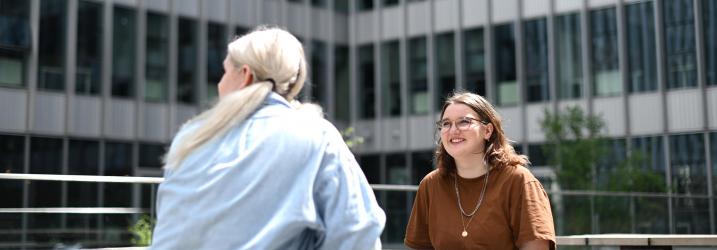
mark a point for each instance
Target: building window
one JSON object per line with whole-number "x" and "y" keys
{"x": 605, "y": 65}
{"x": 12, "y": 161}
{"x": 445, "y": 68}
{"x": 709, "y": 17}
{"x": 713, "y": 149}
{"x": 341, "y": 6}
{"x": 341, "y": 83}
{"x": 418, "y": 75}
{"x": 371, "y": 167}
{"x": 422, "y": 165}
{"x": 240, "y": 31}
{"x": 123, "y": 60}
{"x": 364, "y": 5}
{"x": 641, "y": 61}
{"x": 505, "y": 73}
{"x": 391, "y": 79}
{"x": 45, "y": 158}
{"x": 649, "y": 154}
{"x": 396, "y": 202}
{"x": 569, "y": 56}
{"x": 474, "y": 61}
{"x": 156, "y": 77}
{"x": 150, "y": 155}
{"x": 537, "y": 155}
{"x": 536, "y": 60}
{"x": 14, "y": 41}
{"x": 615, "y": 154}
{"x": 187, "y": 61}
{"x": 118, "y": 162}
{"x": 687, "y": 160}
{"x": 388, "y": 3}
{"x": 89, "y": 48}
{"x": 51, "y": 56}
{"x": 83, "y": 159}
{"x": 366, "y": 84}
{"x": 318, "y": 3}
{"x": 318, "y": 71}
{"x": 216, "y": 52}
{"x": 680, "y": 58}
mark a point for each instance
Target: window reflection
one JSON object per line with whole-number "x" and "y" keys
{"x": 83, "y": 160}
{"x": 187, "y": 61}
{"x": 687, "y": 160}
{"x": 569, "y": 56}
{"x": 51, "y": 56}
{"x": 709, "y": 18}
{"x": 536, "y": 60}
{"x": 641, "y": 61}
{"x": 118, "y": 162}
{"x": 649, "y": 153}
{"x": 12, "y": 160}
{"x": 605, "y": 65}
{"x": 45, "y": 158}
{"x": 366, "y": 84}
{"x": 14, "y": 41}
{"x": 155, "y": 88}
{"x": 150, "y": 155}
{"x": 123, "y": 52}
{"x": 318, "y": 72}
{"x": 341, "y": 83}
{"x": 445, "y": 68}
{"x": 391, "y": 79}
{"x": 216, "y": 52}
{"x": 505, "y": 73}
{"x": 418, "y": 75}
{"x": 474, "y": 52}
{"x": 89, "y": 48}
{"x": 680, "y": 60}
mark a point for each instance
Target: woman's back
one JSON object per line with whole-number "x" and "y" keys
{"x": 273, "y": 182}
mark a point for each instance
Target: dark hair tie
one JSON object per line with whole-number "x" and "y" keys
{"x": 273, "y": 84}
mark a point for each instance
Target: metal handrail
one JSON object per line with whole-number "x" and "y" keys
{"x": 376, "y": 187}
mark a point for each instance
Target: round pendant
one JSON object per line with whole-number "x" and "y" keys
{"x": 464, "y": 233}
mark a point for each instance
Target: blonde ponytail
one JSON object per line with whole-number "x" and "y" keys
{"x": 228, "y": 112}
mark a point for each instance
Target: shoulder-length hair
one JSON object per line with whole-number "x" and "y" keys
{"x": 497, "y": 151}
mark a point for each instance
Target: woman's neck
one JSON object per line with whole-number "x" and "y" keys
{"x": 471, "y": 167}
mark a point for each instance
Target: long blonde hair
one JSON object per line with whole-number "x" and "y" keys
{"x": 497, "y": 152}
{"x": 272, "y": 54}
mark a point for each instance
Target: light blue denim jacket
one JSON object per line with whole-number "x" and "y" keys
{"x": 279, "y": 180}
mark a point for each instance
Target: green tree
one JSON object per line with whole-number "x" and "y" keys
{"x": 575, "y": 147}
{"x": 142, "y": 231}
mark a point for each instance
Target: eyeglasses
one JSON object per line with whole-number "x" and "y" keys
{"x": 461, "y": 124}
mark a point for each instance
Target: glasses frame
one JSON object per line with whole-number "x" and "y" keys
{"x": 442, "y": 129}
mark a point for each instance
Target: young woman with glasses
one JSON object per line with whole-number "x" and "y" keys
{"x": 482, "y": 196}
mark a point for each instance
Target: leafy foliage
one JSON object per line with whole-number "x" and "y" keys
{"x": 142, "y": 231}
{"x": 576, "y": 144}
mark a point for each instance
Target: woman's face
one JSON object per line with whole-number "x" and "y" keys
{"x": 463, "y": 133}
{"x": 234, "y": 78}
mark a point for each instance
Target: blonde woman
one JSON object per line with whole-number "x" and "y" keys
{"x": 481, "y": 196}
{"x": 258, "y": 171}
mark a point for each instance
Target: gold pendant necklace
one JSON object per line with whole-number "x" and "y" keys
{"x": 480, "y": 201}
{"x": 465, "y": 226}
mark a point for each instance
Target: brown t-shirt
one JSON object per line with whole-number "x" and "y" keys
{"x": 515, "y": 210}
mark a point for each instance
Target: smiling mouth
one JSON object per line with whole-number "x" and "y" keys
{"x": 457, "y": 140}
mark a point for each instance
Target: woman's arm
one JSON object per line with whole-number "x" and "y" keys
{"x": 535, "y": 245}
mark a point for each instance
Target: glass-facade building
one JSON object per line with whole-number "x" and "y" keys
{"x": 92, "y": 87}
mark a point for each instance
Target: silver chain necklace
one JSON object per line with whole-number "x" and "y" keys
{"x": 480, "y": 200}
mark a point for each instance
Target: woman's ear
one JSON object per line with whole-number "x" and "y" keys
{"x": 488, "y": 131}
{"x": 246, "y": 77}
